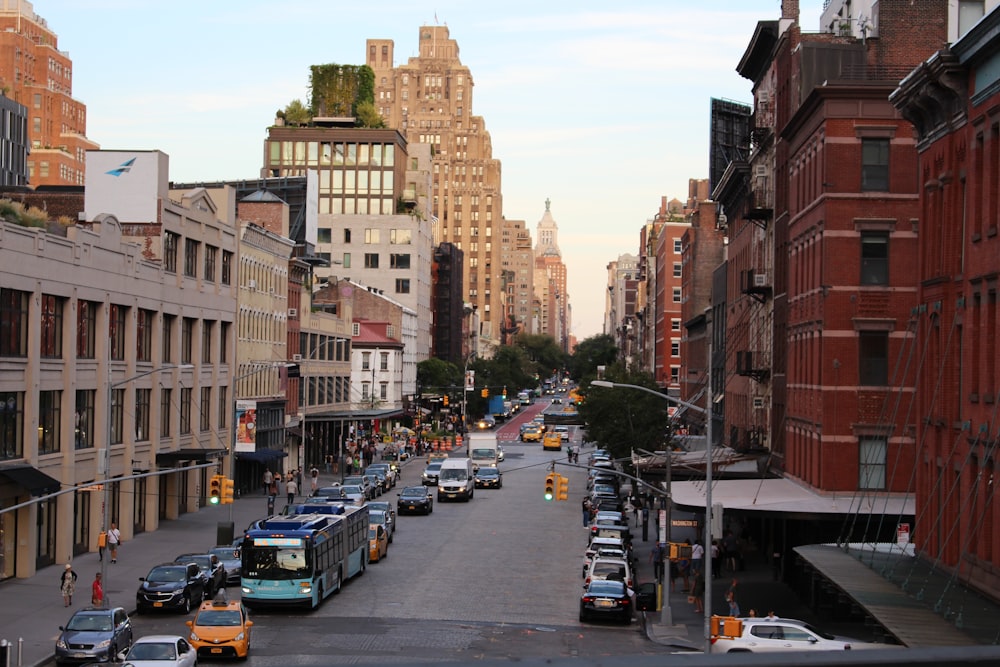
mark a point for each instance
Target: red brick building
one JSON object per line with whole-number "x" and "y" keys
{"x": 952, "y": 100}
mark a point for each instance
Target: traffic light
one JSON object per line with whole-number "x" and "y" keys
{"x": 227, "y": 491}
{"x": 562, "y": 487}
{"x": 505, "y": 392}
{"x": 485, "y": 392}
{"x": 445, "y": 403}
{"x": 550, "y": 486}
{"x": 215, "y": 489}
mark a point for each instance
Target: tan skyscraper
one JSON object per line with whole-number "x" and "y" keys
{"x": 550, "y": 281}
{"x": 429, "y": 99}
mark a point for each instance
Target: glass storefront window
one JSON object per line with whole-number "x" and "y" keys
{"x": 390, "y": 151}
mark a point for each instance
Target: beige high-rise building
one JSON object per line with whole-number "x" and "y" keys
{"x": 429, "y": 99}
{"x": 550, "y": 281}
{"x": 517, "y": 262}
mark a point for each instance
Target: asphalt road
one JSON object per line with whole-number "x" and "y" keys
{"x": 495, "y": 578}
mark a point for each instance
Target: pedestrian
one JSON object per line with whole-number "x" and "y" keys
{"x": 698, "y": 593}
{"x": 697, "y": 557}
{"x": 716, "y": 560}
{"x": 645, "y": 523}
{"x": 656, "y": 558}
{"x": 586, "y": 512}
{"x": 291, "y": 488}
{"x": 328, "y": 460}
{"x": 298, "y": 477}
{"x": 268, "y": 479}
{"x": 67, "y": 585}
{"x": 102, "y": 543}
{"x": 771, "y": 616}
{"x": 97, "y": 591}
{"x": 272, "y": 490}
{"x": 313, "y": 481}
{"x": 733, "y": 599}
{"x": 636, "y": 508}
{"x": 114, "y": 541}
{"x": 730, "y": 549}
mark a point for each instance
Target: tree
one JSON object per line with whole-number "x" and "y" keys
{"x": 543, "y": 350}
{"x": 368, "y": 116}
{"x": 622, "y": 419}
{"x": 437, "y": 375}
{"x": 297, "y": 114}
{"x": 599, "y": 350}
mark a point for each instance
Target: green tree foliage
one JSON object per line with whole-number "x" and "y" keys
{"x": 621, "y": 419}
{"x": 296, "y": 114}
{"x": 599, "y": 350}
{"x": 437, "y": 375}
{"x": 368, "y": 116}
{"x": 337, "y": 90}
{"x": 543, "y": 351}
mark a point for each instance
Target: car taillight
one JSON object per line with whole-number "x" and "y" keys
{"x": 624, "y": 601}
{"x": 587, "y": 582}
{"x": 629, "y": 584}
{"x": 587, "y": 598}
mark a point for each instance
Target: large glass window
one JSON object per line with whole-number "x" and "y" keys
{"x": 11, "y": 424}
{"x": 49, "y": 421}
{"x": 371, "y": 260}
{"x": 191, "y": 258}
{"x": 211, "y": 253}
{"x": 116, "y": 331}
{"x": 166, "y": 346}
{"x": 227, "y": 267}
{"x": 187, "y": 340}
{"x": 873, "y": 358}
{"x": 875, "y": 164}
{"x": 144, "y": 336}
{"x": 83, "y": 419}
{"x": 142, "y": 398}
{"x": 871, "y": 463}
{"x": 166, "y": 409}
{"x": 186, "y": 395}
{"x": 170, "y": 243}
{"x": 399, "y": 261}
{"x": 207, "y": 330}
{"x": 372, "y": 235}
{"x": 13, "y": 323}
{"x": 117, "y": 415}
{"x": 205, "y": 409}
{"x": 52, "y": 326}
{"x": 86, "y": 329}
{"x": 874, "y": 258}
{"x": 402, "y": 285}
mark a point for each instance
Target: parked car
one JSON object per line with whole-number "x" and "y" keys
{"x": 430, "y": 475}
{"x": 386, "y": 506}
{"x": 770, "y": 635}
{"x": 211, "y": 566}
{"x": 499, "y": 453}
{"x": 609, "y": 568}
{"x": 231, "y": 563}
{"x": 93, "y": 635}
{"x": 378, "y": 543}
{"x": 382, "y": 483}
{"x": 381, "y": 518}
{"x": 173, "y": 586}
{"x": 366, "y": 484}
{"x": 391, "y": 471}
{"x": 161, "y": 651}
{"x": 415, "y": 499}
{"x": 488, "y": 477}
{"x": 376, "y": 485}
{"x": 353, "y": 494}
{"x": 221, "y": 629}
{"x": 603, "y": 598}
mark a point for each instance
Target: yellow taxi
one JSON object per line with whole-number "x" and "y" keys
{"x": 221, "y": 629}
{"x": 532, "y": 434}
{"x": 378, "y": 543}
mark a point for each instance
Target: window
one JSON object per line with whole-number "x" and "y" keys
{"x": 873, "y": 358}
{"x": 371, "y": 236}
{"x": 170, "y": 242}
{"x": 11, "y": 424}
{"x": 207, "y": 329}
{"x": 677, "y": 245}
{"x": 142, "y": 398}
{"x": 13, "y": 323}
{"x": 86, "y": 329}
{"x": 871, "y": 463}
{"x": 187, "y": 340}
{"x": 402, "y": 285}
{"x": 371, "y": 260}
{"x": 211, "y": 254}
{"x": 166, "y": 409}
{"x": 223, "y": 407}
{"x": 383, "y": 390}
{"x": 144, "y": 336}
{"x": 397, "y": 261}
{"x": 347, "y": 260}
{"x": 83, "y": 419}
{"x": 52, "y": 326}
{"x": 366, "y": 361}
{"x": 365, "y": 390}
{"x": 400, "y": 236}
{"x": 677, "y": 295}
{"x": 675, "y": 348}
{"x": 677, "y": 269}
{"x": 383, "y": 364}
{"x": 675, "y": 374}
{"x": 875, "y": 164}
{"x": 117, "y": 415}
{"x": 323, "y": 235}
{"x": 206, "y": 409}
{"x": 874, "y": 258}
{"x": 166, "y": 345}
{"x": 116, "y": 333}
{"x": 675, "y": 324}
{"x": 49, "y": 421}
{"x": 224, "y": 342}
{"x": 191, "y": 258}
{"x": 347, "y": 235}
{"x": 186, "y": 395}
{"x": 227, "y": 267}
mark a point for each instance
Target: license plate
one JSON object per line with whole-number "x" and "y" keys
{"x": 216, "y": 650}
{"x": 604, "y": 603}
{"x": 413, "y": 507}
{"x": 157, "y": 604}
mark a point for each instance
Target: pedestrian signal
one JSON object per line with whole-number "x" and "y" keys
{"x": 227, "y": 491}
{"x": 550, "y": 486}
{"x": 485, "y": 392}
{"x": 445, "y": 401}
{"x": 215, "y": 489}
{"x": 562, "y": 488}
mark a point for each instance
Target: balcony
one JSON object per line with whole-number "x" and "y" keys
{"x": 749, "y": 365}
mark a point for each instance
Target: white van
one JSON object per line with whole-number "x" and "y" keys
{"x": 456, "y": 479}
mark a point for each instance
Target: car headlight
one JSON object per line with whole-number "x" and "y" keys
{"x": 104, "y": 643}
{"x": 193, "y": 637}
{"x": 239, "y": 637}
{"x": 60, "y": 643}
{"x": 246, "y": 590}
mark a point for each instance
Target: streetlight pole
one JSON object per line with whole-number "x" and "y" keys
{"x": 665, "y": 613}
{"x": 106, "y": 518}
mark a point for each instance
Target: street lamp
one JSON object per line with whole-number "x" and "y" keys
{"x": 106, "y": 514}
{"x": 665, "y": 615}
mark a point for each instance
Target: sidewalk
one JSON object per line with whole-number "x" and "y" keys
{"x": 31, "y": 610}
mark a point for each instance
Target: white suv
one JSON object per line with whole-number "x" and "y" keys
{"x": 609, "y": 568}
{"x": 763, "y": 635}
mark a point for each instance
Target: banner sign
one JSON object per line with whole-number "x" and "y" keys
{"x": 246, "y": 426}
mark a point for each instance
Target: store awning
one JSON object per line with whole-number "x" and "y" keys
{"x": 261, "y": 455}
{"x": 31, "y": 479}
{"x": 196, "y": 454}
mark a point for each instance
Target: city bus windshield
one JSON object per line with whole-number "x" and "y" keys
{"x": 276, "y": 563}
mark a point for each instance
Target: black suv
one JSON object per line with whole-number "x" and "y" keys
{"x": 94, "y": 635}
{"x": 211, "y": 567}
{"x": 175, "y": 586}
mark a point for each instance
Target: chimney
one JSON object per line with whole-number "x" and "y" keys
{"x": 790, "y": 10}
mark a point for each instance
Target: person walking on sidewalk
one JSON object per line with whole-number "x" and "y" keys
{"x": 114, "y": 541}
{"x": 268, "y": 479}
{"x": 697, "y": 558}
{"x": 291, "y": 488}
{"x": 698, "y": 592}
{"x": 313, "y": 481}
{"x": 645, "y": 523}
{"x": 656, "y": 558}
{"x": 586, "y": 512}
{"x": 67, "y": 585}
{"x": 732, "y": 598}
{"x": 97, "y": 591}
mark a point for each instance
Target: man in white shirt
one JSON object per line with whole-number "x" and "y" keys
{"x": 697, "y": 557}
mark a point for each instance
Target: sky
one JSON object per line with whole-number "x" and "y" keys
{"x": 602, "y": 108}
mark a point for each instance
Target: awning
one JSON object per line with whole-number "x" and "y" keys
{"x": 262, "y": 455}
{"x": 31, "y": 479}
{"x": 198, "y": 455}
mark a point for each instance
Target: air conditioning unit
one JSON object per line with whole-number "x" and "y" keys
{"x": 763, "y": 96}
{"x": 252, "y": 284}
{"x": 758, "y": 402}
{"x": 760, "y": 170}
{"x": 293, "y": 312}
{"x": 296, "y": 357}
{"x": 760, "y": 280}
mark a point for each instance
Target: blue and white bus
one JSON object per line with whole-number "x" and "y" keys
{"x": 302, "y": 559}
